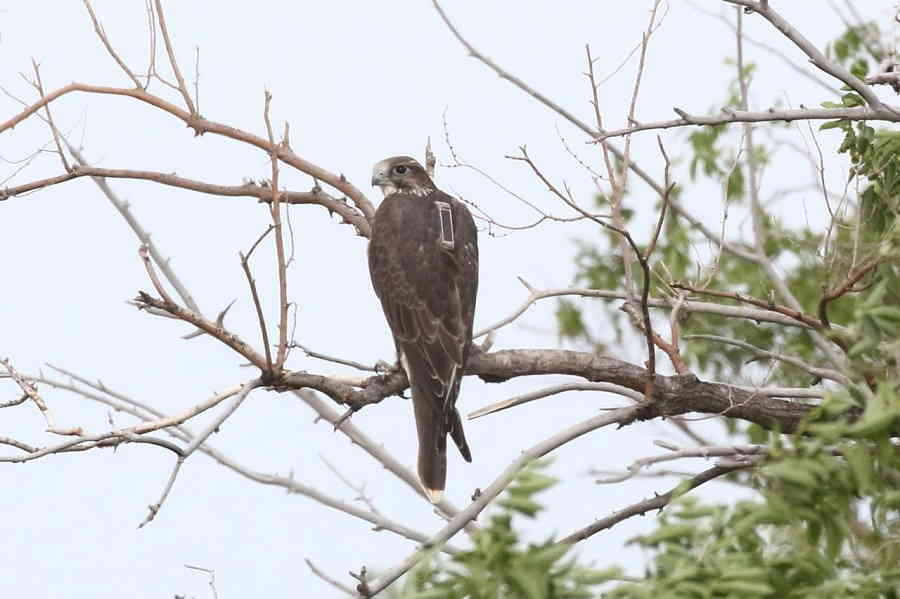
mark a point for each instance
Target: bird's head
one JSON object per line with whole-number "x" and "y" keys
{"x": 401, "y": 174}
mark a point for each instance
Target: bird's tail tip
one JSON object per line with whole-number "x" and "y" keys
{"x": 434, "y": 495}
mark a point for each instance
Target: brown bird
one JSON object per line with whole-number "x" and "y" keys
{"x": 423, "y": 260}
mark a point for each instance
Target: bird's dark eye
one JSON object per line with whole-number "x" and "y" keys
{"x": 401, "y": 169}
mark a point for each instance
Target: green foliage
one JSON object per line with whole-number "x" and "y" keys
{"x": 827, "y": 524}
{"x": 569, "y": 320}
{"x": 499, "y": 566}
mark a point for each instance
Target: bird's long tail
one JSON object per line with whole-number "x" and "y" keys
{"x": 432, "y": 429}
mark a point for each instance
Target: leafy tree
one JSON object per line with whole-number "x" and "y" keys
{"x": 825, "y": 517}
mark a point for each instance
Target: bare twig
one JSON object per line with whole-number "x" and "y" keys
{"x": 30, "y": 391}
{"x": 845, "y": 287}
{"x": 245, "y": 264}
{"x": 39, "y": 85}
{"x": 824, "y": 373}
{"x": 797, "y": 315}
{"x": 144, "y": 253}
{"x": 124, "y": 209}
{"x": 173, "y": 62}
{"x": 790, "y": 63}
{"x": 547, "y": 392}
{"x": 345, "y": 362}
{"x": 771, "y": 115}
{"x": 535, "y": 295}
{"x": 358, "y": 217}
{"x": 339, "y": 586}
{"x": 656, "y": 503}
{"x": 154, "y": 508}
{"x": 275, "y": 208}
{"x": 764, "y": 9}
{"x": 145, "y": 301}
{"x": 98, "y": 28}
{"x": 731, "y": 451}
{"x": 212, "y": 578}
{"x": 151, "y": 419}
{"x": 197, "y": 442}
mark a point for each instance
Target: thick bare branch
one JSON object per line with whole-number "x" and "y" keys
{"x": 673, "y": 395}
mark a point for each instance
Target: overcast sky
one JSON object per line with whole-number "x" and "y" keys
{"x": 358, "y": 81}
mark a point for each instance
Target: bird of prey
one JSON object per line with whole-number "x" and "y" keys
{"x": 423, "y": 260}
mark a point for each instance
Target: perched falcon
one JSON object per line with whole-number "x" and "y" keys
{"x": 423, "y": 260}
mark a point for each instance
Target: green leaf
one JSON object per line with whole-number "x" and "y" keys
{"x": 594, "y": 577}
{"x": 832, "y": 124}
{"x": 549, "y": 555}
{"x": 851, "y": 100}
{"x": 740, "y": 588}
{"x": 861, "y": 466}
{"x": 791, "y": 472}
{"x": 669, "y": 533}
{"x": 522, "y": 505}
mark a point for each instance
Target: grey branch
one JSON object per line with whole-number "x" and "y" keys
{"x": 547, "y": 392}
{"x": 125, "y": 210}
{"x": 675, "y": 395}
{"x": 755, "y": 314}
{"x": 373, "y": 448}
{"x": 691, "y": 452}
{"x": 764, "y": 9}
{"x": 727, "y": 116}
{"x": 656, "y": 503}
{"x": 825, "y": 373}
{"x": 146, "y": 413}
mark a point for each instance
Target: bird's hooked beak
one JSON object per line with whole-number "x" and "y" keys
{"x": 379, "y": 178}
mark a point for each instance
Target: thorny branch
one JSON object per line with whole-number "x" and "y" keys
{"x": 358, "y": 216}
{"x": 845, "y": 287}
{"x": 740, "y": 452}
{"x": 151, "y": 419}
{"x": 30, "y": 391}
{"x": 656, "y": 503}
{"x": 275, "y": 208}
{"x": 245, "y": 264}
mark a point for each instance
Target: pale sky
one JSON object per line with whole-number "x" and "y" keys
{"x": 358, "y": 81}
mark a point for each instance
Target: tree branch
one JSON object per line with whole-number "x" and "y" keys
{"x": 815, "y": 55}
{"x": 673, "y": 395}
{"x": 656, "y": 503}
{"x": 201, "y": 125}
{"x": 728, "y": 116}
